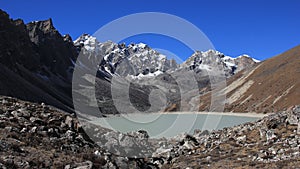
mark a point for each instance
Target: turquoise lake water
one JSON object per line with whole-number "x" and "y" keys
{"x": 168, "y": 125}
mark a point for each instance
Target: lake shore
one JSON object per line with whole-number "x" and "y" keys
{"x": 252, "y": 114}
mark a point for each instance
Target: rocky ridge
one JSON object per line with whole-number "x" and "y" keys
{"x": 36, "y": 62}
{"x": 211, "y": 59}
{"x": 134, "y": 60}
{"x": 140, "y": 61}
{"x": 146, "y": 70}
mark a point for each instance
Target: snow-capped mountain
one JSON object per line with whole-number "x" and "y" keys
{"x": 37, "y": 64}
{"x": 139, "y": 60}
{"x": 134, "y": 60}
{"x": 212, "y": 59}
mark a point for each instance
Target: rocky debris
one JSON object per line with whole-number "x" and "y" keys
{"x": 38, "y": 136}
{"x": 83, "y": 165}
{"x": 270, "y": 142}
{"x": 133, "y": 144}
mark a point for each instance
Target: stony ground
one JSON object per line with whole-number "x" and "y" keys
{"x": 272, "y": 142}
{"x": 38, "y": 136}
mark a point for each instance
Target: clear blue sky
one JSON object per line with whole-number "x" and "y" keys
{"x": 260, "y": 28}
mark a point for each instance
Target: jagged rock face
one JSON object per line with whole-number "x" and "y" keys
{"x": 16, "y": 47}
{"x": 36, "y": 62}
{"x": 57, "y": 52}
{"x": 139, "y": 60}
{"x": 134, "y": 59}
{"x": 38, "y": 29}
{"x": 37, "y": 46}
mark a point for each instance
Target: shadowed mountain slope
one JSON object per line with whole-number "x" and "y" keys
{"x": 35, "y": 62}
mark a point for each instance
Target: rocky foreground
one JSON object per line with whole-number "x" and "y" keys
{"x": 38, "y": 136}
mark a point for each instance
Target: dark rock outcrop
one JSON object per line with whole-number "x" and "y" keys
{"x": 36, "y": 62}
{"x": 57, "y": 52}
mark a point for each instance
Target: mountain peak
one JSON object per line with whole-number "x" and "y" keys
{"x": 3, "y": 14}
{"x": 45, "y": 25}
{"x": 68, "y": 38}
{"x": 271, "y": 86}
{"x": 147, "y": 60}
{"x": 212, "y": 59}
{"x": 247, "y": 57}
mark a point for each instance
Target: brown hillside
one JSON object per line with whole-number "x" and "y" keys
{"x": 273, "y": 85}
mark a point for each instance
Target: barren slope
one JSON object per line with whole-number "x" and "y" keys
{"x": 273, "y": 85}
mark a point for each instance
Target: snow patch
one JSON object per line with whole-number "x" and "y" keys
{"x": 149, "y": 75}
{"x": 141, "y": 45}
{"x": 245, "y": 55}
{"x": 205, "y": 67}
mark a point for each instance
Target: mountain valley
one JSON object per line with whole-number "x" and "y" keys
{"x": 51, "y": 85}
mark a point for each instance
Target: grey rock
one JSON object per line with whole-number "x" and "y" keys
{"x": 33, "y": 129}
{"x": 83, "y": 165}
{"x": 23, "y": 130}
{"x": 241, "y": 138}
{"x": 121, "y": 162}
{"x": 70, "y": 147}
{"x": 4, "y": 101}
{"x": 24, "y": 112}
{"x": 23, "y": 164}
{"x": 2, "y": 166}
{"x": 292, "y": 119}
{"x": 16, "y": 113}
{"x": 8, "y": 128}
{"x": 141, "y": 134}
{"x": 69, "y": 122}
{"x": 36, "y": 120}
{"x": 202, "y": 133}
{"x": 70, "y": 135}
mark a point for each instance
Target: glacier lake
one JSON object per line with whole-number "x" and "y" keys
{"x": 160, "y": 125}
